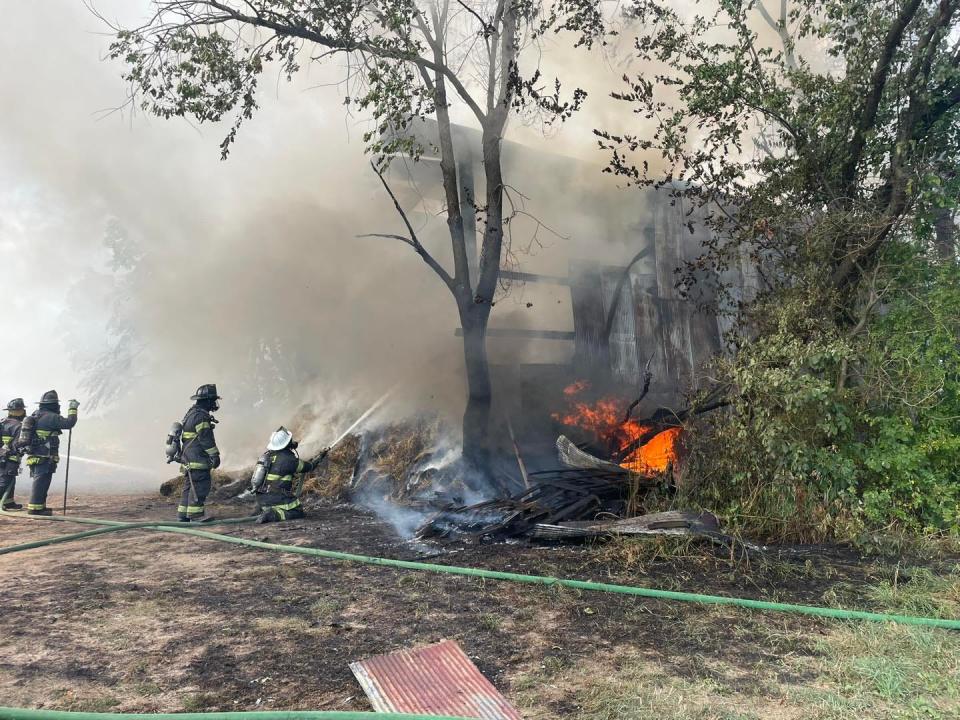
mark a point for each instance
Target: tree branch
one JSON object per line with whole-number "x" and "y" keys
{"x": 647, "y": 377}
{"x": 872, "y": 300}
{"x": 878, "y": 83}
{"x": 781, "y": 29}
{"x": 285, "y": 28}
{"x": 485, "y": 24}
{"x": 412, "y": 241}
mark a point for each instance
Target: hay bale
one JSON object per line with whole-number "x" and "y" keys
{"x": 220, "y": 481}
{"x": 333, "y": 479}
{"x": 387, "y": 461}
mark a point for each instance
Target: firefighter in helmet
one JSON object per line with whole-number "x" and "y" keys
{"x": 199, "y": 454}
{"x": 10, "y": 453}
{"x": 278, "y": 478}
{"x": 42, "y": 443}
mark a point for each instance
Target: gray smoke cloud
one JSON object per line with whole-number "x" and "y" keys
{"x": 250, "y": 272}
{"x": 129, "y": 246}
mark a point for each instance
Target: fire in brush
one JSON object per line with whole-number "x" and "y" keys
{"x": 603, "y": 419}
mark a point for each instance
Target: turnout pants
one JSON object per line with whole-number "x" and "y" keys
{"x": 196, "y": 487}
{"x": 274, "y": 507}
{"x": 42, "y": 474}
{"x": 8, "y": 483}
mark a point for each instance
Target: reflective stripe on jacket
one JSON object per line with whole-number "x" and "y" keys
{"x": 46, "y": 442}
{"x": 284, "y": 470}
{"x": 199, "y": 444}
{"x": 9, "y": 434}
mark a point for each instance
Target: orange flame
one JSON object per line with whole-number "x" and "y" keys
{"x": 604, "y": 420}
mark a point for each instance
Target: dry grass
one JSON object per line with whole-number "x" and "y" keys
{"x": 865, "y": 670}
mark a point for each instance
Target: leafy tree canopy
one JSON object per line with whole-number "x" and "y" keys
{"x": 821, "y": 146}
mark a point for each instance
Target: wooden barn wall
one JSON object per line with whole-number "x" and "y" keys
{"x": 586, "y": 296}
{"x": 652, "y": 317}
{"x": 622, "y": 341}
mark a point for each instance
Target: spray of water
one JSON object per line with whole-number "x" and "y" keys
{"x": 370, "y": 411}
{"x": 115, "y": 466}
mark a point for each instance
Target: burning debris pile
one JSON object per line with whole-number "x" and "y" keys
{"x": 644, "y": 449}
{"x": 554, "y": 495}
{"x": 571, "y": 499}
{"x": 409, "y": 473}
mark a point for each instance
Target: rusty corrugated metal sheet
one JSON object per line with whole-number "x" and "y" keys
{"x": 436, "y": 680}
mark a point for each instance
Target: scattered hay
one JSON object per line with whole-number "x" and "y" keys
{"x": 332, "y": 481}
{"x": 392, "y": 461}
{"x": 387, "y": 462}
{"x": 221, "y": 480}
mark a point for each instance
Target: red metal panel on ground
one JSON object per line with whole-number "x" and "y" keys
{"x": 436, "y": 680}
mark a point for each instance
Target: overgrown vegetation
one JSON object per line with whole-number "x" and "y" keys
{"x": 824, "y": 156}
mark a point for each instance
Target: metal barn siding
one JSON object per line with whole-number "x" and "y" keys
{"x": 436, "y": 680}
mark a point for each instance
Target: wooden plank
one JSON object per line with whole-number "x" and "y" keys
{"x": 705, "y": 338}
{"x": 667, "y": 242}
{"x": 589, "y": 322}
{"x": 524, "y": 333}
{"x": 650, "y": 340}
{"x": 534, "y": 277}
{"x": 622, "y": 341}
{"x": 674, "y": 315}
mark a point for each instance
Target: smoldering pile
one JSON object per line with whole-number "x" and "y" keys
{"x": 400, "y": 463}
{"x": 409, "y": 472}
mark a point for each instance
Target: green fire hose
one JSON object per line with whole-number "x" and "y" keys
{"x": 836, "y": 613}
{"x": 7, "y": 713}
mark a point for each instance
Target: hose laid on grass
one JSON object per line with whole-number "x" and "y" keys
{"x": 77, "y": 536}
{"x": 836, "y": 613}
{"x": 107, "y": 526}
{"x": 111, "y": 526}
{"x": 7, "y": 713}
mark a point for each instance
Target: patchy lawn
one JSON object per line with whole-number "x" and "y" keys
{"x": 152, "y": 622}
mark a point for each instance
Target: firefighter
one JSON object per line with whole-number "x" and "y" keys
{"x": 43, "y": 447}
{"x": 199, "y": 454}
{"x": 9, "y": 454}
{"x": 278, "y": 479}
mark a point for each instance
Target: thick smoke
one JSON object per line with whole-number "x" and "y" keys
{"x": 246, "y": 272}
{"x": 136, "y": 260}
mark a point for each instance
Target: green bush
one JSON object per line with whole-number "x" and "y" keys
{"x": 795, "y": 457}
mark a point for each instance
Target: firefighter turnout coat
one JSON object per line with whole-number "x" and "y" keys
{"x": 45, "y": 448}
{"x": 200, "y": 450}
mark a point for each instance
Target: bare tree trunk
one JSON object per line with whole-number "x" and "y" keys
{"x": 476, "y": 416}
{"x": 474, "y": 288}
{"x": 475, "y": 313}
{"x": 946, "y": 232}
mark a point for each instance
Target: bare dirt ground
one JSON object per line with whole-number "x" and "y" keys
{"x": 154, "y": 622}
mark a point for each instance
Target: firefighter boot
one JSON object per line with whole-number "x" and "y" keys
{"x": 268, "y": 515}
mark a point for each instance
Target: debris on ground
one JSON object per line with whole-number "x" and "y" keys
{"x": 438, "y": 679}
{"x": 407, "y": 466}
{"x": 672, "y": 522}
{"x": 554, "y": 496}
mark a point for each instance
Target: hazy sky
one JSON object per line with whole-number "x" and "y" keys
{"x": 257, "y": 248}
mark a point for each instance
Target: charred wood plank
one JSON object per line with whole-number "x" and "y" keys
{"x": 534, "y": 277}
{"x": 524, "y": 333}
